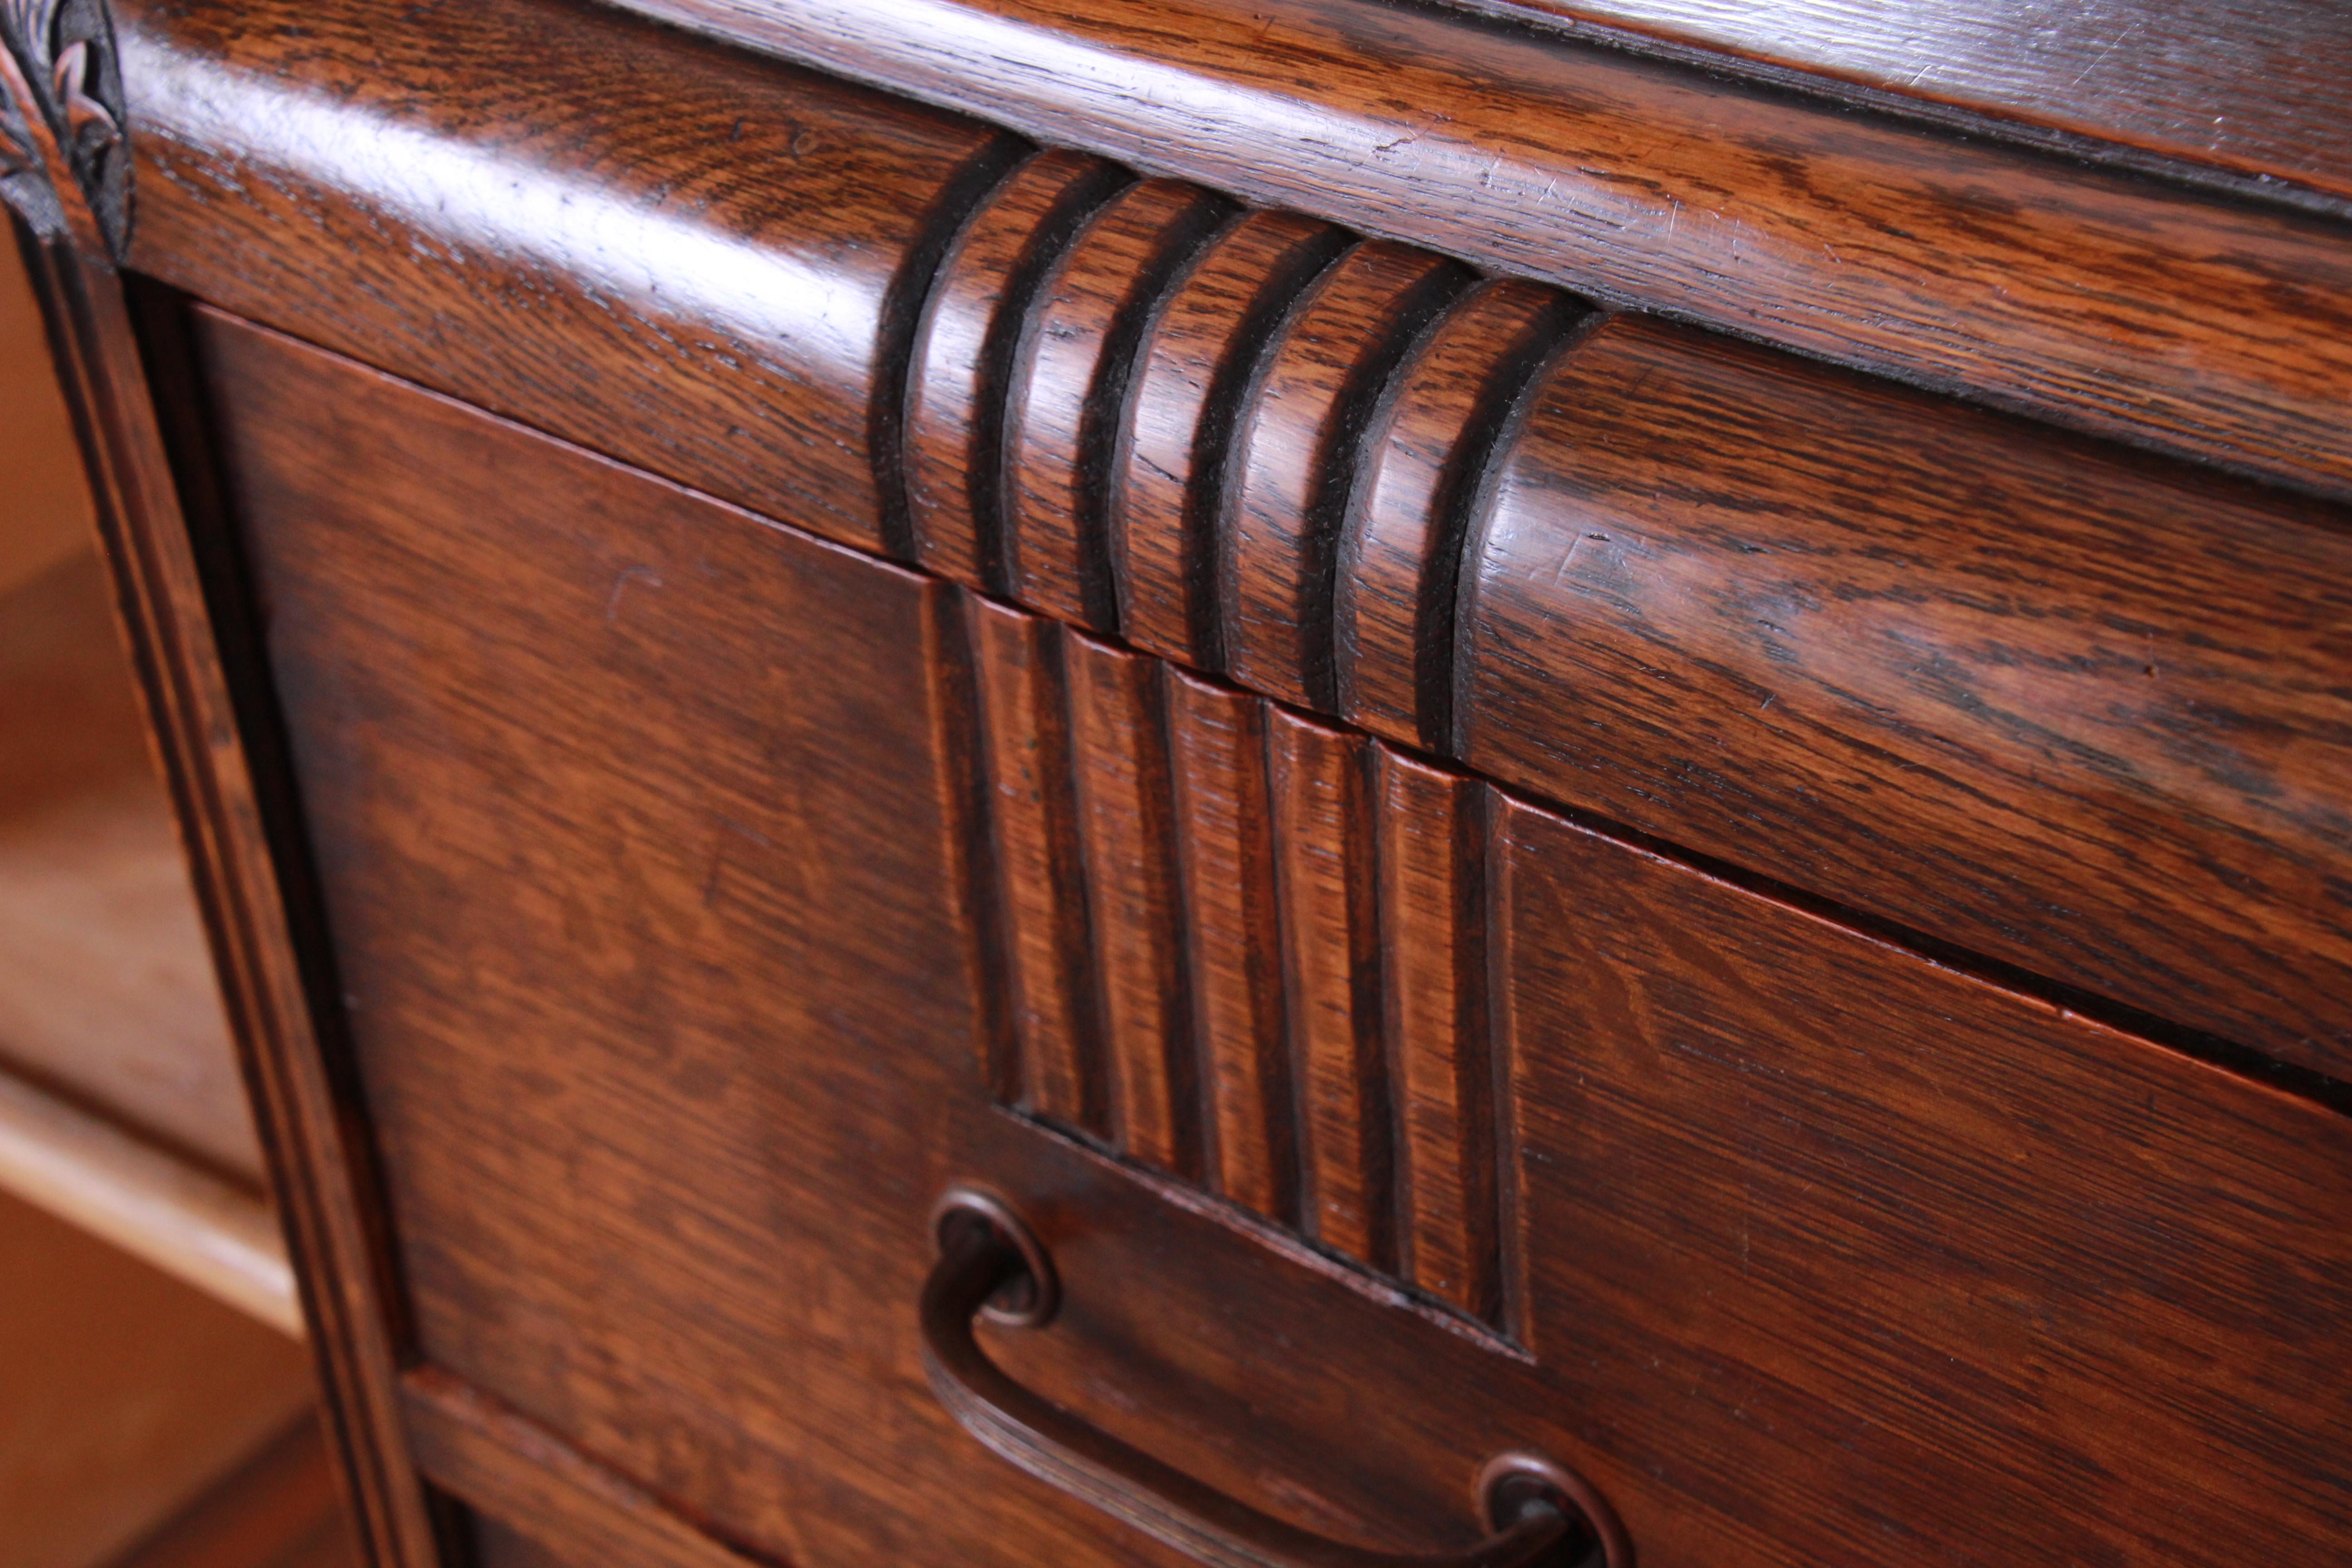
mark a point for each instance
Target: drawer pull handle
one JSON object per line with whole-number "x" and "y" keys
{"x": 990, "y": 1264}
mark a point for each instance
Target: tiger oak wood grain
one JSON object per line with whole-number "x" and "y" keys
{"x": 642, "y": 907}
{"x": 2080, "y": 712}
{"x": 653, "y": 986}
{"x": 2203, "y": 324}
{"x": 708, "y": 264}
{"x": 964, "y": 354}
{"x": 665, "y": 1030}
{"x": 2252, "y": 88}
{"x": 1119, "y": 764}
{"x": 1856, "y": 1259}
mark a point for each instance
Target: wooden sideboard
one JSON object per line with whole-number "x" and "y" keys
{"x": 1306, "y": 785}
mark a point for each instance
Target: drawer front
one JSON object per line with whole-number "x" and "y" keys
{"x": 705, "y": 898}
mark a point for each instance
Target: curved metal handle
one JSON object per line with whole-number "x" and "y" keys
{"x": 1542, "y": 1516}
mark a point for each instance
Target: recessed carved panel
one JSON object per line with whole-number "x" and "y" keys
{"x": 1238, "y": 944}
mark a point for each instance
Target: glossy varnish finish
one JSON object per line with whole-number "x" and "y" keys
{"x": 1313, "y": 557}
{"x": 2082, "y": 714}
{"x": 689, "y": 260}
{"x": 1754, "y": 1178}
{"x": 1857, "y": 1261}
{"x": 2255, "y": 89}
{"x": 2091, "y": 297}
{"x": 979, "y": 303}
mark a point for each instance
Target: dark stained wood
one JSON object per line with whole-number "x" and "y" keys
{"x": 571, "y": 1507}
{"x": 2210, "y": 326}
{"x": 1068, "y": 389}
{"x": 1399, "y": 547}
{"x": 1319, "y": 785}
{"x": 1295, "y": 459}
{"x": 650, "y": 969}
{"x": 641, "y": 900}
{"x": 2080, "y": 712}
{"x": 1232, "y": 940}
{"x": 1203, "y": 344}
{"x": 964, "y": 353}
{"x": 704, "y": 264}
{"x": 1856, "y": 1259}
{"x": 1024, "y": 712}
{"x": 1119, "y": 764}
{"x": 2255, "y": 86}
{"x": 1432, "y": 856}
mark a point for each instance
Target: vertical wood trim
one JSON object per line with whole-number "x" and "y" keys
{"x": 1499, "y": 832}
{"x": 1434, "y": 1007}
{"x": 1128, "y": 830}
{"x": 1330, "y": 959}
{"x": 970, "y": 846}
{"x": 1025, "y": 723}
{"x": 1231, "y": 945}
{"x": 201, "y": 744}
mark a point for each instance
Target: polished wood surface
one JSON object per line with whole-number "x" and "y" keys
{"x": 925, "y": 658}
{"x": 601, "y": 696}
{"x": 738, "y": 311}
{"x": 2206, "y": 325}
{"x": 1856, "y": 1257}
{"x": 2254, "y": 89}
{"x": 2069, "y": 711}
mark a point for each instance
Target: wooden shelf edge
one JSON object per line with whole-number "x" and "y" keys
{"x": 185, "y": 1221}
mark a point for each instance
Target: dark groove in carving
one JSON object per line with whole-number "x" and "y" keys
{"x": 904, "y": 304}
{"x": 1458, "y": 491}
{"x": 1106, "y": 417}
{"x": 980, "y": 476}
{"x": 1332, "y": 468}
{"x": 971, "y": 837}
{"x": 65, "y": 158}
{"x": 1221, "y": 403}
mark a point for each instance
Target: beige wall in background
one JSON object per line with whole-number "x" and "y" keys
{"x": 44, "y": 507}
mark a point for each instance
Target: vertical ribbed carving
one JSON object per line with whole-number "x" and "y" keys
{"x": 1318, "y": 779}
{"x": 1434, "y": 1010}
{"x": 964, "y": 351}
{"x": 1068, "y": 392}
{"x": 1232, "y": 938}
{"x": 1235, "y": 942}
{"x": 1127, "y": 828}
{"x": 1048, "y": 968}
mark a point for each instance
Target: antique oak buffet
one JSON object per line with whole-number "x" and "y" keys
{"x": 1257, "y": 782}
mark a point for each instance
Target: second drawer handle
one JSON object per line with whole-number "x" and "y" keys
{"x": 991, "y": 1263}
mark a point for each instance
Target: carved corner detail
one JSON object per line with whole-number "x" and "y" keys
{"x": 65, "y": 160}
